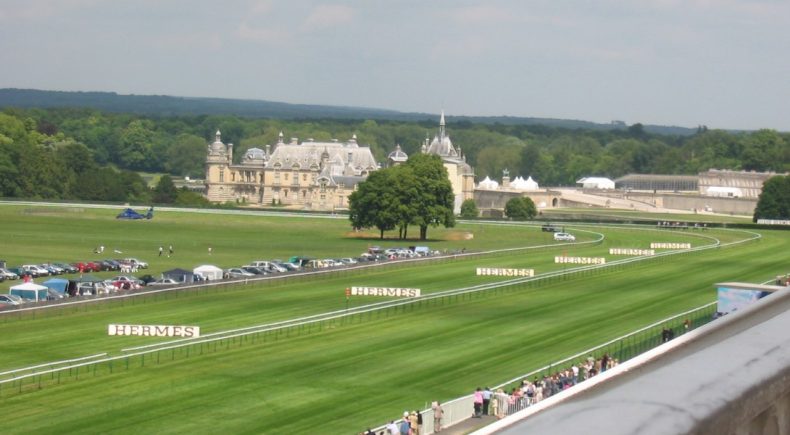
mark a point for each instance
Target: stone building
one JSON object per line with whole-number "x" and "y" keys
{"x": 308, "y": 175}
{"x": 461, "y": 174}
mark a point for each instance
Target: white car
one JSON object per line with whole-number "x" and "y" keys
{"x": 566, "y": 237}
{"x": 136, "y": 262}
{"x": 11, "y": 300}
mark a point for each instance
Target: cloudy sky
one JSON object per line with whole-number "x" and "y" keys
{"x": 722, "y": 63}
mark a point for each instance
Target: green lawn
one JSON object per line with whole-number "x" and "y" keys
{"x": 344, "y": 377}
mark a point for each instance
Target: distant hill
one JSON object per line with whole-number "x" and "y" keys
{"x": 164, "y": 105}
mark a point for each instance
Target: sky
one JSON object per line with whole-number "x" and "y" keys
{"x": 719, "y": 63}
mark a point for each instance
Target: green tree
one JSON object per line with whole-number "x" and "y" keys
{"x": 134, "y": 149}
{"x": 520, "y": 209}
{"x": 774, "y": 201}
{"x": 186, "y": 156}
{"x": 372, "y": 204}
{"x": 165, "y": 191}
{"x": 434, "y": 201}
{"x": 469, "y": 209}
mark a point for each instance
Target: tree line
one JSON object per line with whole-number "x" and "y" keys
{"x": 177, "y": 145}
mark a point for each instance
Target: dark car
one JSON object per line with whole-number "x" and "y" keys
{"x": 67, "y": 268}
{"x": 147, "y": 279}
{"x": 549, "y": 228}
{"x": 255, "y": 270}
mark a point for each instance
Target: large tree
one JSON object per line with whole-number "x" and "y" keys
{"x": 372, "y": 204}
{"x": 520, "y": 209}
{"x": 434, "y": 201}
{"x": 774, "y": 201}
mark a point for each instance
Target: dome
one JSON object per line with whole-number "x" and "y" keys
{"x": 398, "y": 155}
{"x": 217, "y": 148}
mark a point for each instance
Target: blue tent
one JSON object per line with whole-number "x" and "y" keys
{"x": 58, "y": 284}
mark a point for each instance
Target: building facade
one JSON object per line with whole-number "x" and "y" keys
{"x": 461, "y": 174}
{"x": 308, "y": 175}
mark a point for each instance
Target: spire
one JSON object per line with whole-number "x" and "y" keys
{"x": 218, "y": 136}
{"x": 441, "y": 128}
{"x": 280, "y": 137}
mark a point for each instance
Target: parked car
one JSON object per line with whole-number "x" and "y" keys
{"x": 566, "y": 237}
{"x": 87, "y": 266}
{"x": 270, "y": 266}
{"x": 7, "y": 274}
{"x": 138, "y": 263}
{"x": 53, "y": 270}
{"x": 10, "y": 300}
{"x": 147, "y": 279}
{"x": 54, "y": 295}
{"x": 19, "y": 272}
{"x": 67, "y": 268}
{"x": 255, "y": 270}
{"x": 237, "y": 272}
{"x": 348, "y": 261}
{"x": 551, "y": 228}
{"x": 290, "y": 267}
{"x": 35, "y": 270}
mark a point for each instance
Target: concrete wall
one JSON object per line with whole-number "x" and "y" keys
{"x": 730, "y": 377}
{"x": 491, "y": 203}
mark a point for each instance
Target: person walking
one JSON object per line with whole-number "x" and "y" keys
{"x": 438, "y": 413}
{"x": 170, "y": 250}
{"x": 486, "y": 400}
{"x": 160, "y": 250}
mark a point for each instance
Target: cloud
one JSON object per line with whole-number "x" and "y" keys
{"x": 264, "y": 35}
{"x": 484, "y": 14}
{"x": 261, "y": 7}
{"x": 328, "y": 16}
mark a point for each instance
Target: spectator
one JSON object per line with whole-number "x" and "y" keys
{"x": 438, "y": 413}
{"x": 160, "y": 250}
{"x": 414, "y": 423}
{"x": 486, "y": 400}
{"x": 405, "y": 424}
{"x": 392, "y": 428}
{"x": 478, "y": 403}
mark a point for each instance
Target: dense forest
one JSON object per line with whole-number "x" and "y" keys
{"x": 90, "y": 154}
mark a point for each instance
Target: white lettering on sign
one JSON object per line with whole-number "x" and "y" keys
{"x": 661, "y": 245}
{"x": 629, "y": 251}
{"x": 396, "y": 292}
{"x": 773, "y": 222}
{"x": 154, "y": 330}
{"x": 493, "y": 271}
{"x": 579, "y": 260}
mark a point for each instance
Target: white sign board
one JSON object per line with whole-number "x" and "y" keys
{"x": 492, "y": 271}
{"x": 396, "y": 292}
{"x": 579, "y": 260}
{"x": 154, "y": 330}
{"x": 629, "y": 251}
{"x": 657, "y": 245}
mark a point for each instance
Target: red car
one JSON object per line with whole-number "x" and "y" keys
{"x": 87, "y": 266}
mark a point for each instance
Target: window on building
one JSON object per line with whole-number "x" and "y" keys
{"x": 286, "y": 176}
{"x": 285, "y": 193}
{"x": 304, "y": 177}
{"x": 221, "y": 176}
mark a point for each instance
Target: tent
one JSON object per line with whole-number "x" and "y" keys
{"x": 60, "y": 285}
{"x": 596, "y": 183}
{"x": 208, "y": 272}
{"x": 30, "y": 291}
{"x": 179, "y": 275}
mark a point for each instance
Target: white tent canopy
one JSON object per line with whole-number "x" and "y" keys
{"x": 521, "y": 184}
{"x": 28, "y": 286}
{"x": 488, "y": 184}
{"x": 732, "y": 192}
{"x": 596, "y": 183}
{"x": 208, "y": 272}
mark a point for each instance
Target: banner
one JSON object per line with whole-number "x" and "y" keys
{"x": 386, "y": 291}
{"x": 629, "y": 251}
{"x": 490, "y": 271}
{"x": 154, "y": 330}
{"x": 657, "y": 245}
{"x": 579, "y": 260}
{"x": 773, "y": 221}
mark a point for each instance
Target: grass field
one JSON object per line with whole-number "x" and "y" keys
{"x": 343, "y": 377}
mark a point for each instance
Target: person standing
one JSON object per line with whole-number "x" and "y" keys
{"x": 486, "y": 400}
{"x": 209, "y": 250}
{"x": 160, "y": 250}
{"x": 478, "y": 403}
{"x": 170, "y": 250}
{"x": 438, "y": 413}
{"x": 414, "y": 424}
